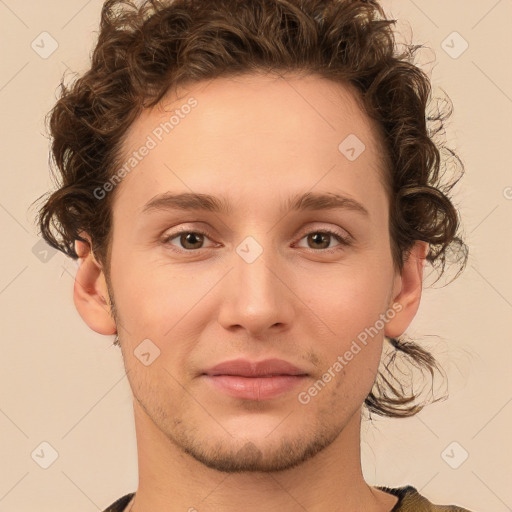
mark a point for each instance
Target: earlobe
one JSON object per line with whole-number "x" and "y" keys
{"x": 90, "y": 293}
{"x": 407, "y": 290}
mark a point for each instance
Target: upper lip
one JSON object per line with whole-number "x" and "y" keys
{"x": 246, "y": 368}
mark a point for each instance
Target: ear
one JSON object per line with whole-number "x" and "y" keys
{"x": 90, "y": 293}
{"x": 407, "y": 290}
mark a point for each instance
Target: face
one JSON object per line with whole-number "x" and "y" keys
{"x": 263, "y": 276}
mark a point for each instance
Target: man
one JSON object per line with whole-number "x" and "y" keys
{"x": 253, "y": 194}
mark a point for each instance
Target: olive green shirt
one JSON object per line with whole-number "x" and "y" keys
{"x": 409, "y": 500}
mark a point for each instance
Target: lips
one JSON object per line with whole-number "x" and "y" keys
{"x": 254, "y": 380}
{"x": 246, "y": 368}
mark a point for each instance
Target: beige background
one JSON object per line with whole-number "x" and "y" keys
{"x": 63, "y": 384}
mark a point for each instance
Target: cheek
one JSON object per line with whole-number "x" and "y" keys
{"x": 346, "y": 307}
{"x": 153, "y": 295}
{"x": 347, "y": 300}
{"x": 157, "y": 299}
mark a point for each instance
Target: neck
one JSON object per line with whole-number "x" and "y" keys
{"x": 170, "y": 480}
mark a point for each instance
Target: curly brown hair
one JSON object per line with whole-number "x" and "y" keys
{"x": 145, "y": 49}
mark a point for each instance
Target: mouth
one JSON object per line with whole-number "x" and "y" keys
{"x": 256, "y": 381}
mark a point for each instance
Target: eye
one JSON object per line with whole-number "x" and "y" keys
{"x": 189, "y": 240}
{"x": 322, "y": 238}
{"x": 193, "y": 240}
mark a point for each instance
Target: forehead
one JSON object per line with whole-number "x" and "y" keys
{"x": 253, "y": 130}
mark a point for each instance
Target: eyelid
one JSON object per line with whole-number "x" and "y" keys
{"x": 345, "y": 239}
{"x": 200, "y": 231}
{"x": 337, "y": 231}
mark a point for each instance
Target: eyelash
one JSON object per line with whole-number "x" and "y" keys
{"x": 344, "y": 241}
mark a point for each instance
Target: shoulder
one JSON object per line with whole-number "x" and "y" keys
{"x": 410, "y": 500}
{"x": 120, "y": 504}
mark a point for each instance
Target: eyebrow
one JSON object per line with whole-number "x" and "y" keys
{"x": 307, "y": 201}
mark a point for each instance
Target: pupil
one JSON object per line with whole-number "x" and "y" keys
{"x": 321, "y": 236}
{"x": 189, "y": 238}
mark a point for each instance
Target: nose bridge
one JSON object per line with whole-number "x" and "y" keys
{"x": 256, "y": 297}
{"x": 257, "y": 280}
{"x": 258, "y": 284}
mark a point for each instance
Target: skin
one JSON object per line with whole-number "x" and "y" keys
{"x": 256, "y": 140}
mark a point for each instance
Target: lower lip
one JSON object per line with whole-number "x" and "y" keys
{"x": 255, "y": 388}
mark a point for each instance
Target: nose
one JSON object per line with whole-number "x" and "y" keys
{"x": 257, "y": 296}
